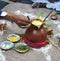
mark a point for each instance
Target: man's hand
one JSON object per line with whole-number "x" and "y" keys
{"x": 20, "y": 20}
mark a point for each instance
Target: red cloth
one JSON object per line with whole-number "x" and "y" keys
{"x": 35, "y": 45}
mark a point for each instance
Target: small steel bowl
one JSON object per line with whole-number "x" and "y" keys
{"x": 6, "y": 45}
{"x": 22, "y": 47}
{"x": 13, "y": 35}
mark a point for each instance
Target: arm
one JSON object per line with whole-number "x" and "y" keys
{"x": 20, "y": 20}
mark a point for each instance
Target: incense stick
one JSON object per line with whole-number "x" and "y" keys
{"x": 48, "y": 15}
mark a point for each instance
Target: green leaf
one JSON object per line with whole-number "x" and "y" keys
{"x": 40, "y": 15}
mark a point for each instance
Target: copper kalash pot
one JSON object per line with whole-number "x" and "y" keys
{"x": 35, "y": 37}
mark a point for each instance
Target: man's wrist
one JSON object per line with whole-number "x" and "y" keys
{"x": 9, "y": 17}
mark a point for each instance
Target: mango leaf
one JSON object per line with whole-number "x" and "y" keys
{"x": 40, "y": 15}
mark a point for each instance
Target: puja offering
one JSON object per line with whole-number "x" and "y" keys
{"x": 50, "y": 32}
{"x": 54, "y": 17}
{"x": 13, "y": 37}
{"x": 57, "y": 35}
{"x": 36, "y": 34}
{"x": 3, "y": 26}
{"x": 22, "y": 47}
{"x": 37, "y": 23}
{"x": 6, "y": 45}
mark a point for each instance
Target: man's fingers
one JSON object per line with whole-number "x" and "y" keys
{"x": 22, "y": 23}
{"x": 24, "y": 19}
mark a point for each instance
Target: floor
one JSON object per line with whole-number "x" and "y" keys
{"x": 49, "y": 53}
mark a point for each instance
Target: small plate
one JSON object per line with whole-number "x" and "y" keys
{"x": 6, "y": 45}
{"x": 22, "y": 48}
{"x": 13, "y": 37}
